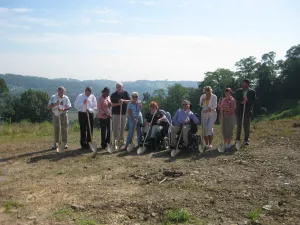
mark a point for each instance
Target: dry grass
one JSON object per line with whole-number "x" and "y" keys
{"x": 215, "y": 188}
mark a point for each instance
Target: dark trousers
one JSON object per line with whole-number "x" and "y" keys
{"x": 105, "y": 131}
{"x": 85, "y": 136}
{"x": 247, "y": 120}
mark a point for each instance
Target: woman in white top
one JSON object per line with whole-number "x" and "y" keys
{"x": 209, "y": 103}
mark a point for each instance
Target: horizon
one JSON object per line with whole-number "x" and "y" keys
{"x": 133, "y": 40}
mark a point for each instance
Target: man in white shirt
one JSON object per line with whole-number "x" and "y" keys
{"x": 60, "y": 104}
{"x": 86, "y": 102}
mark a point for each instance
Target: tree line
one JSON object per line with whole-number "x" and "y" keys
{"x": 276, "y": 84}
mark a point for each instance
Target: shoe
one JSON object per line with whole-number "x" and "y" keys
{"x": 210, "y": 147}
{"x": 246, "y": 142}
{"x": 66, "y": 146}
{"x": 53, "y": 147}
{"x": 227, "y": 150}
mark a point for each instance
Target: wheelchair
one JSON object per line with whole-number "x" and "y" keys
{"x": 193, "y": 138}
{"x": 162, "y": 139}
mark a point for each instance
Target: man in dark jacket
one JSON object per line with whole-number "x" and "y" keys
{"x": 244, "y": 96}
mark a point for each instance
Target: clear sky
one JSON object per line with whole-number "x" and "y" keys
{"x": 141, "y": 39}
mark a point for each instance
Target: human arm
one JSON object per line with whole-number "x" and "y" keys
{"x": 68, "y": 105}
{"x": 126, "y": 98}
{"x": 175, "y": 118}
{"x": 193, "y": 117}
{"x": 52, "y": 103}
{"x": 252, "y": 98}
{"x": 79, "y": 103}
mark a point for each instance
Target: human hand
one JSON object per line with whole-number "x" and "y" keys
{"x": 121, "y": 101}
{"x": 85, "y": 101}
{"x": 136, "y": 121}
{"x": 60, "y": 109}
{"x": 158, "y": 121}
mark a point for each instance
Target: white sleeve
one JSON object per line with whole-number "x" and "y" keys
{"x": 95, "y": 103}
{"x": 201, "y": 97}
{"x": 214, "y": 102}
{"x": 78, "y": 104}
{"x": 51, "y": 100}
{"x": 68, "y": 103}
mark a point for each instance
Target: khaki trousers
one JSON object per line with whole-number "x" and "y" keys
{"x": 176, "y": 129}
{"x": 64, "y": 121}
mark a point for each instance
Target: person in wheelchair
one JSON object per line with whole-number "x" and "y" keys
{"x": 158, "y": 127}
{"x": 186, "y": 121}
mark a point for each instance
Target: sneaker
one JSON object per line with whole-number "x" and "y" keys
{"x": 53, "y": 147}
{"x": 66, "y": 146}
{"x": 246, "y": 142}
{"x": 210, "y": 147}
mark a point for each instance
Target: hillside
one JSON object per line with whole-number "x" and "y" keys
{"x": 258, "y": 185}
{"x": 19, "y": 83}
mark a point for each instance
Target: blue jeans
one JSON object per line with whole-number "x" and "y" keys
{"x": 131, "y": 124}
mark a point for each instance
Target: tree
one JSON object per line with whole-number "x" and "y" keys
{"x": 3, "y": 87}
{"x": 33, "y": 106}
{"x": 246, "y": 68}
{"x": 176, "y": 94}
{"x": 219, "y": 80}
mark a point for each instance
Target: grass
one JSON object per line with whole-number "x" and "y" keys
{"x": 254, "y": 214}
{"x": 9, "y": 205}
{"x": 294, "y": 112}
{"x": 62, "y": 213}
{"x": 177, "y": 216}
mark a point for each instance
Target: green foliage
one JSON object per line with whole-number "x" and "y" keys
{"x": 177, "y": 216}
{"x": 62, "y": 213}
{"x": 254, "y": 215}
{"x": 9, "y": 205}
{"x": 75, "y": 126}
{"x": 3, "y": 87}
{"x": 26, "y": 128}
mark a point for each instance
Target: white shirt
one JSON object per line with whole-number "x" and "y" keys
{"x": 91, "y": 103}
{"x": 64, "y": 103}
{"x": 213, "y": 104}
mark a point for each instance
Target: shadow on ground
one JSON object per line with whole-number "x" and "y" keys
{"x": 25, "y": 155}
{"x": 59, "y": 156}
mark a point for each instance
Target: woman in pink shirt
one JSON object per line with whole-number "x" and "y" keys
{"x": 104, "y": 115}
{"x": 227, "y": 106}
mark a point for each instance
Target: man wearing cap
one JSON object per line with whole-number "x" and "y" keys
{"x": 244, "y": 96}
{"x": 118, "y": 98}
{"x": 60, "y": 104}
{"x": 104, "y": 116}
{"x": 182, "y": 120}
{"x": 86, "y": 103}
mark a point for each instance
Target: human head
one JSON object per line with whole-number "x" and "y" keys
{"x": 119, "y": 87}
{"x": 228, "y": 92}
{"x": 105, "y": 92}
{"x": 207, "y": 90}
{"x": 88, "y": 91}
{"x": 153, "y": 106}
{"x": 60, "y": 91}
{"x": 135, "y": 96}
{"x": 186, "y": 105}
{"x": 245, "y": 83}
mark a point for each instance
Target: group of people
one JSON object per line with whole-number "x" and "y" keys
{"x": 119, "y": 109}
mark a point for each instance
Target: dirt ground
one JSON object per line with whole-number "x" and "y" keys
{"x": 121, "y": 188}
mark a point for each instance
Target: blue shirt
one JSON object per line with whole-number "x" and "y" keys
{"x": 135, "y": 109}
{"x": 181, "y": 116}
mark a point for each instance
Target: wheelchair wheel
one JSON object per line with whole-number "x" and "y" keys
{"x": 165, "y": 143}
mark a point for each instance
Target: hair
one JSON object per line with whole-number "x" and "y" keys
{"x": 228, "y": 90}
{"x": 119, "y": 84}
{"x": 88, "y": 89}
{"x": 246, "y": 81}
{"x": 153, "y": 104}
{"x": 207, "y": 88}
{"x": 135, "y": 94}
{"x": 61, "y": 88}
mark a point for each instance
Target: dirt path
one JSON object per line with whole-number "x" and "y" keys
{"x": 125, "y": 189}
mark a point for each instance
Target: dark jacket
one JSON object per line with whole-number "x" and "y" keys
{"x": 251, "y": 96}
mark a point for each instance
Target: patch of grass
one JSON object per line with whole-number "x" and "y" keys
{"x": 177, "y": 216}
{"x": 9, "y": 205}
{"x": 254, "y": 214}
{"x": 289, "y": 113}
{"x": 63, "y": 213}
{"x": 86, "y": 222}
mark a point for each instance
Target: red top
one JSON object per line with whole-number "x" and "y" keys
{"x": 103, "y": 107}
{"x": 228, "y": 105}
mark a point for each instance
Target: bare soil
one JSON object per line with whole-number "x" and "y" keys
{"x": 123, "y": 188}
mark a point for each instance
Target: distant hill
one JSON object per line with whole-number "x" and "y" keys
{"x": 19, "y": 83}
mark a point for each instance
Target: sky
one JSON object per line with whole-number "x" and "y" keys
{"x": 127, "y": 40}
